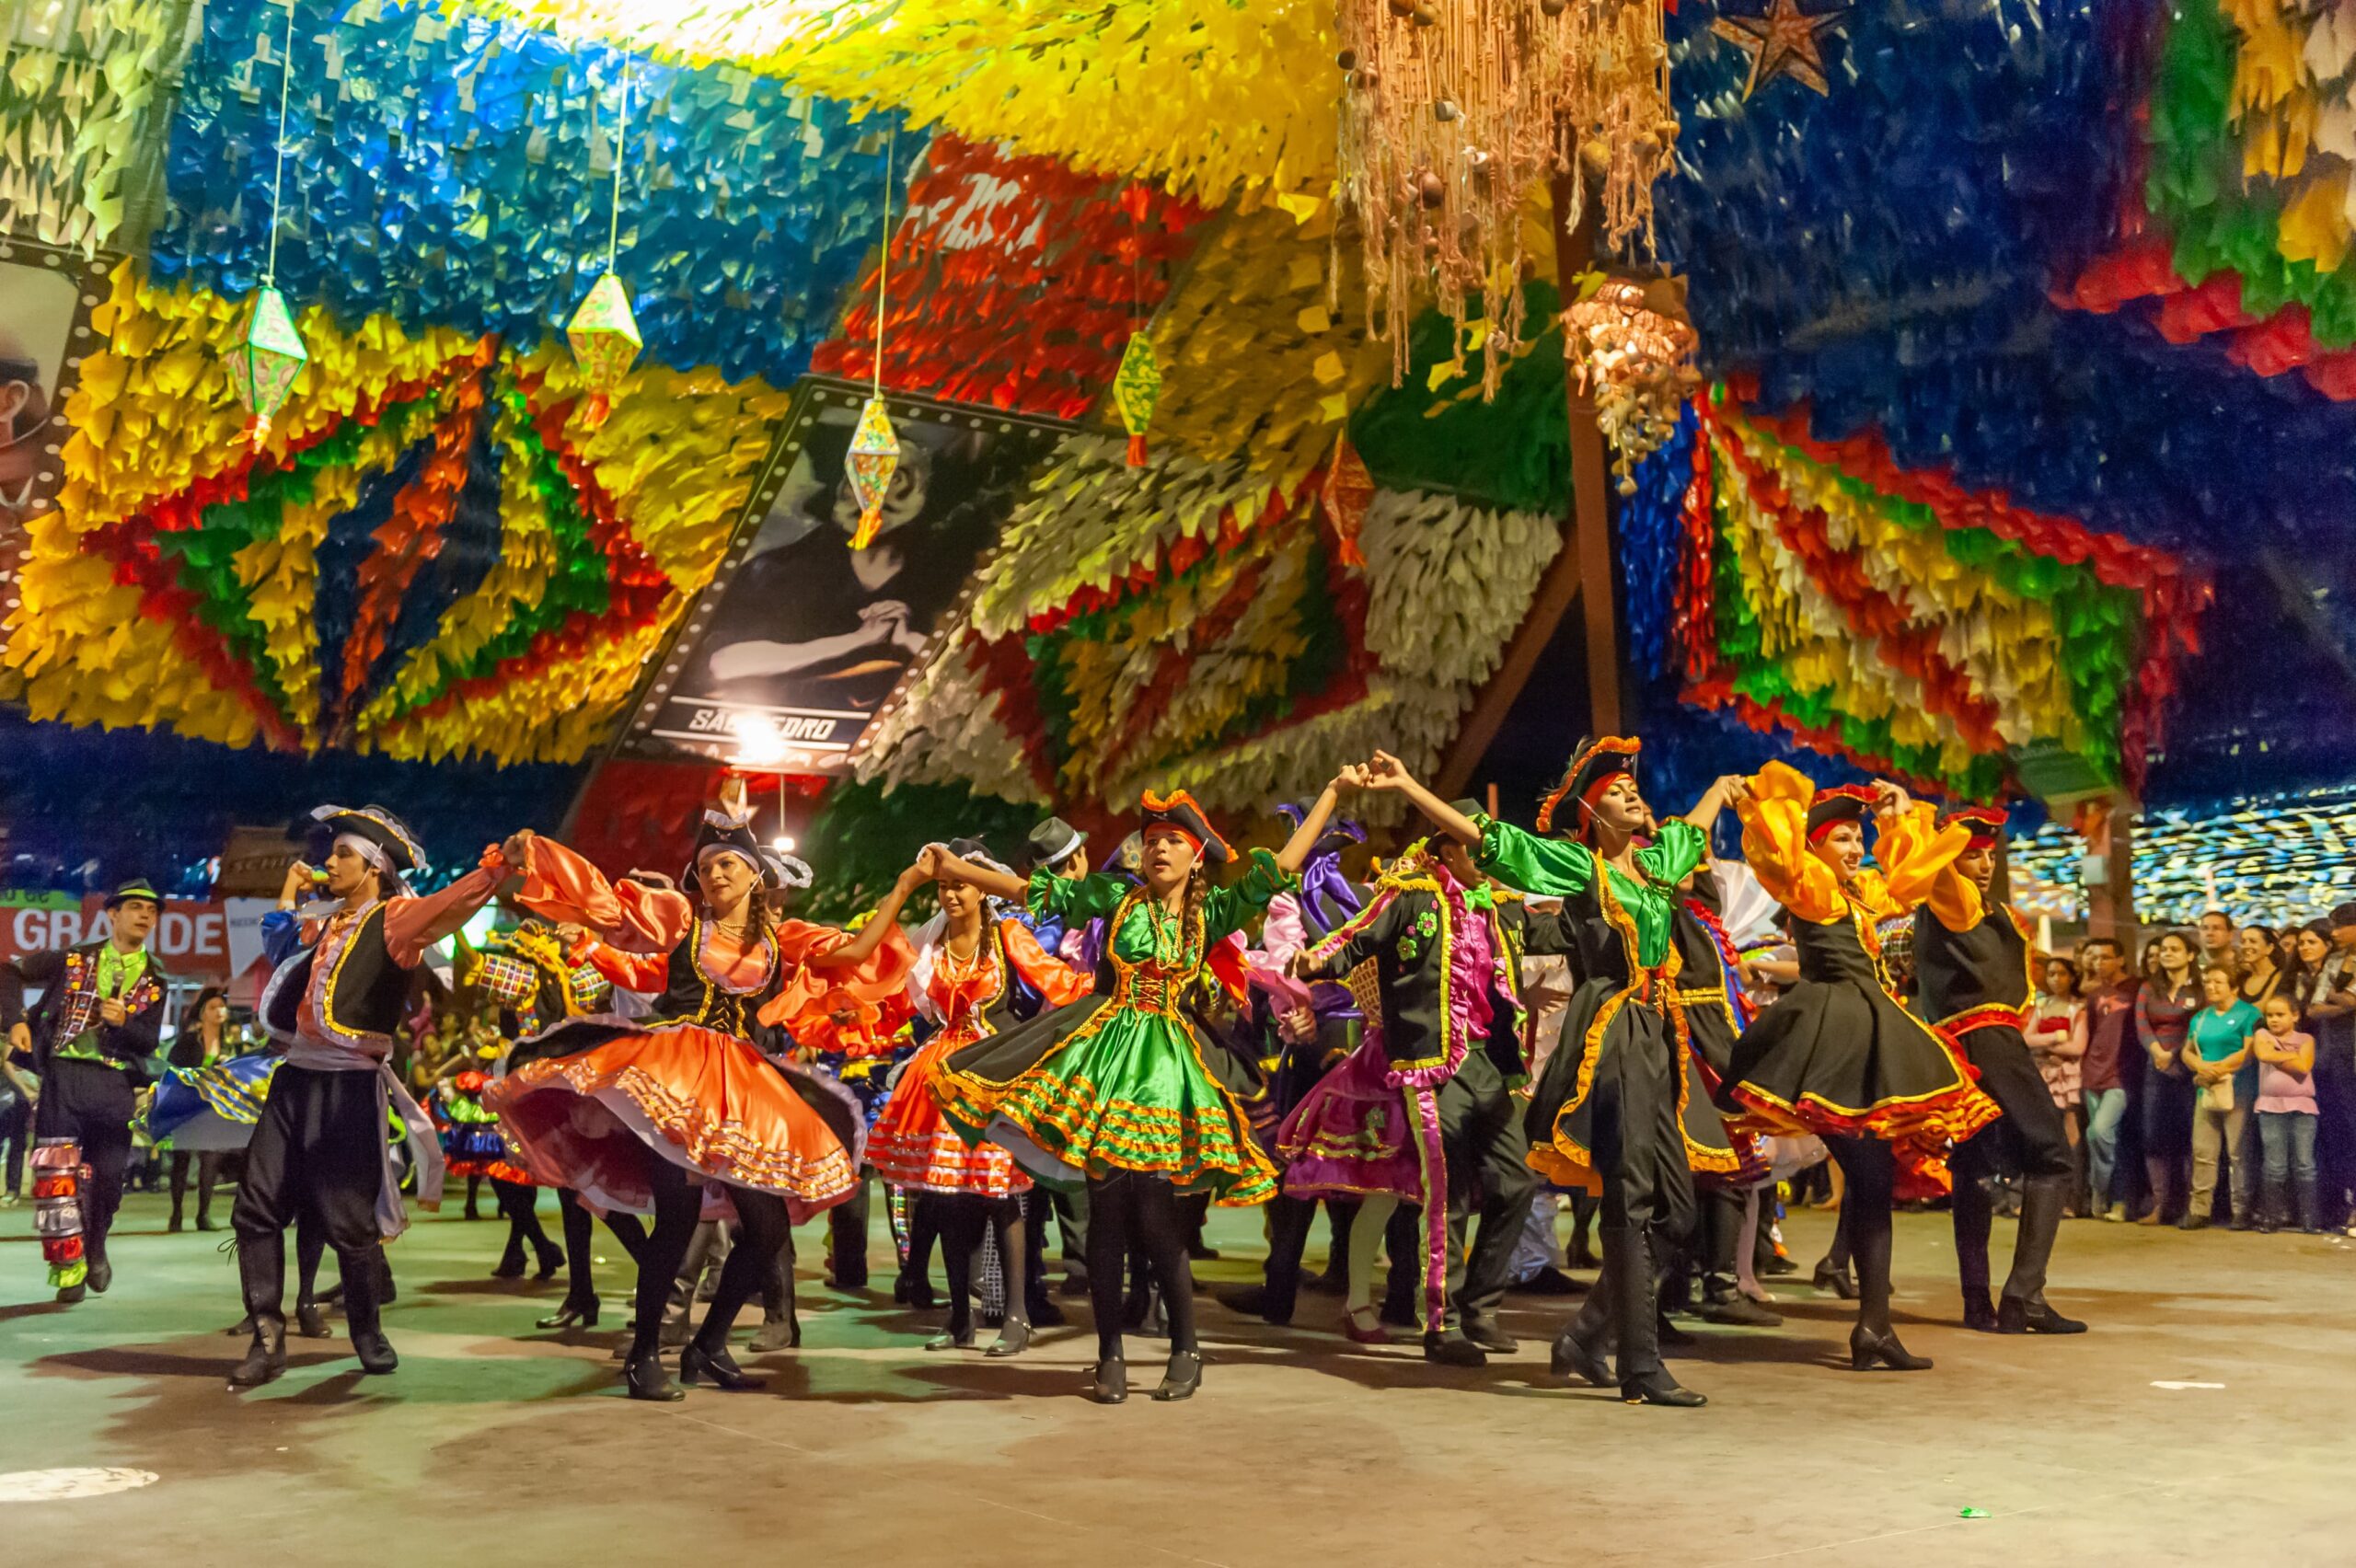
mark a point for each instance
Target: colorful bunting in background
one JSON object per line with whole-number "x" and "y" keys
{"x": 1015, "y": 281}
{"x": 2275, "y": 859}
{"x": 1205, "y": 100}
{"x": 447, "y": 171}
{"x": 430, "y": 554}
{"x": 1201, "y": 631}
{"x": 1894, "y": 618}
{"x": 76, "y": 102}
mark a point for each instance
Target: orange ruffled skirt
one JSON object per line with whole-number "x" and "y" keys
{"x": 600, "y": 1094}
{"x": 914, "y": 1146}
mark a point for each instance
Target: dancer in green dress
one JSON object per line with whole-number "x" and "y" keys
{"x": 1121, "y": 1091}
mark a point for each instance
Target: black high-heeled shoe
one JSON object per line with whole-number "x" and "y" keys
{"x": 572, "y": 1316}
{"x": 1182, "y": 1376}
{"x": 1657, "y": 1387}
{"x": 697, "y": 1364}
{"x": 1866, "y": 1348}
{"x": 643, "y": 1376}
{"x": 1573, "y": 1357}
{"x": 1837, "y": 1281}
{"x": 551, "y": 1259}
{"x": 1013, "y": 1339}
{"x": 1111, "y": 1384}
{"x": 916, "y": 1293}
{"x": 952, "y": 1339}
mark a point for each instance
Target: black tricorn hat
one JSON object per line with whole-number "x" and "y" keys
{"x": 1594, "y": 765}
{"x": 1843, "y": 802}
{"x": 1179, "y": 810}
{"x": 379, "y": 828}
{"x": 735, "y": 833}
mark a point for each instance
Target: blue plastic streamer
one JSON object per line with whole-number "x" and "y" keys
{"x": 1651, "y": 528}
{"x": 445, "y": 170}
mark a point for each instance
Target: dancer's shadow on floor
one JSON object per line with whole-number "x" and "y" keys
{"x": 136, "y": 1361}
{"x": 32, "y": 1309}
{"x": 524, "y": 1285}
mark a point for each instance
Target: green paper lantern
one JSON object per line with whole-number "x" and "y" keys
{"x": 1137, "y": 387}
{"x": 266, "y": 362}
{"x": 875, "y": 458}
{"x": 603, "y": 335}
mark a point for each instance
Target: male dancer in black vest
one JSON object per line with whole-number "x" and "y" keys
{"x": 1456, "y": 1093}
{"x": 88, "y": 1039}
{"x": 1972, "y": 975}
{"x": 341, "y": 983}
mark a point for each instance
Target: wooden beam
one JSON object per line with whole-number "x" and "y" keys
{"x": 1590, "y": 485}
{"x": 1582, "y": 569}
{"x": 1555, "y": 592}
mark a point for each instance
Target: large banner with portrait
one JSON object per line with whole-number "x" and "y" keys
{"x": 788, "y": 655}
{"x": 46, "y": 296}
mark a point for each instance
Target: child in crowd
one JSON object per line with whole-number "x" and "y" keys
{"x": 2286, "y": 1115}
{"x": 2216, "y": 1050}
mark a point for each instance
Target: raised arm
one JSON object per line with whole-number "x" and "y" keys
{"x": 1774, "y": 808}
{"x": 1721, "y": 794}
{"x": 638, "y": 913}
{"x": 1913, "y": 851}
{"x": 1291, "y": 859}
{"x": 886, "y": 918}
{"x": 412, "y": 925}
{"x": 1388, "y": 773}
{"x": 991, "y": 880}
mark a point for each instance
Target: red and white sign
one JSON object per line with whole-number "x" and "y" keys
{"x": 211, "y": 940}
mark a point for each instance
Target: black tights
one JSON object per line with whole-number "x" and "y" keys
{"x": 678, "y": 1204}
{"x": 960, "y": 1220}
{"x": 580, "y": 1243}
{"x": 1869, "y": 1180}
{"x": 519, "y": 1201}
{"x": 1130, "y": 1205}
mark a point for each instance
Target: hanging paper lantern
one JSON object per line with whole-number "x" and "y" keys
{"x": 1137, "y": 387}
{"x": 875, "y": 455}
{"x": 1348, "y": 491}
{"x": 603, "y": 335}
{"x": 265, "y": 364}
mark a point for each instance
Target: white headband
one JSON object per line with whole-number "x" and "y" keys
{"x": 367, "y": 850}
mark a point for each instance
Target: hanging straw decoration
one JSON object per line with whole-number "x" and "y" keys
{"x": 875, "y": 449}
{"x": 604, "y": 331}
{"x": 1454, "y": 109}
{"x": 1631, "y": 348}
{"x": 264, "y": 367}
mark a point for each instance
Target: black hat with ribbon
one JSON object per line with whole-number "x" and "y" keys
{"x": 1593, "y": 767}
{"x": 727, "y": 832}
{"x": 1052, "y": 843}
{"x": 137, "y": 887}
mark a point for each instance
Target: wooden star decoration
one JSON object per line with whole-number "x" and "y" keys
{"x": 1782, "y": 41}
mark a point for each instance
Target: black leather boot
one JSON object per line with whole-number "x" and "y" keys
{"x": 265, "y": 1358}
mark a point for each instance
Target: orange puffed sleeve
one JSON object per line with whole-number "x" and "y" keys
{"x": 1056, "y": 981}
{"x": 810, "y": 998}
{"x": 1913, "y": 851}
{"x": 560, "y": 885}
{"x": 1775, "y": 842}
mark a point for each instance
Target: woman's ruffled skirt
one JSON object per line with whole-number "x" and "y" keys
{"x": 592, "y": 1096}
{"x": 1842, "y": 1059}
{"x": 1349, "y": 1137}
{"x": 1091, "y": 1089}
{"x": 914, "y": 1146}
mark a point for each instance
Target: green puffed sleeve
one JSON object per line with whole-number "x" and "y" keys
{"x": 1089, "y": 898}
{"x": 1543, "y": 866}
{"x": 1678, "y": 849}
{"x": 1229, "y": 909}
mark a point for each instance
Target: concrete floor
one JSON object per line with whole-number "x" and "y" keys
{"x": 499, "y": 1444}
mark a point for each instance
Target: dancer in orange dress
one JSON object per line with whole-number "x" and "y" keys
{"x": 978, "y": 970}
{"x": 639, "y": 1115}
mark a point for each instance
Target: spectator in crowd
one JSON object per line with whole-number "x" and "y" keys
{"x": 2056, "y": 1036}
{"x": 2109, "y": 995}
{"x": 2327, "y": 990}
{"x": 2286, "y": 1116}
{"x": 2163, "y": 1012}
{"x": 2224, "y": 1077}
{"x": 2255, "y": 953}
{"x": 2216, "y": 931}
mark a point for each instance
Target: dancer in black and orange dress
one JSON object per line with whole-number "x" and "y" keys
{"x": 979, "y": 972}
{"x": 638, "y": 1115}
{"x": 1122, "y": 1089}
{"x": 1839, "y": 1055}
{"x": 1972, "y": 971}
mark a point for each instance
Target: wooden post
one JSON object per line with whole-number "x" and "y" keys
{"x": 2108, "y": 827}
{"x": 1590, "y": 484}
{"x": 1581, "y": 571}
